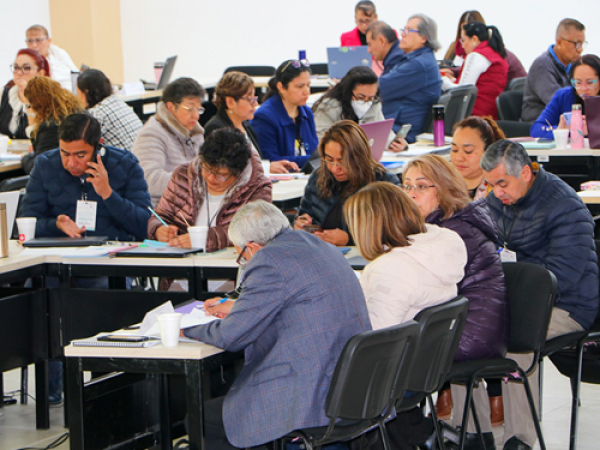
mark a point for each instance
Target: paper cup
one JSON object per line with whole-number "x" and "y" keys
{"x": 3, "y": 143}
{"x": 561, "y": 137}
{"x": 198, "y": 236}
{"x": 170, "y": 327}
{"x": 26, "y": 227}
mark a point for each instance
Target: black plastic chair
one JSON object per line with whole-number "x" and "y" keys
{"x": 517, "y": 84}
{"x": 370, "y": 376}
{"x": 441, "y": 328}
{"x": 14, "y": 184}
{"x": 319, "y": 68}
{"x": 458, "y": 104}
{"x": 532, "y": 295}
{"x": 510, "y": 104}
{"x": 253, "y": 71}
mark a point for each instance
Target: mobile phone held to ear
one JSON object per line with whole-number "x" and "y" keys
{"x": 99, "y": 150}
{"x": 402, "y": 132}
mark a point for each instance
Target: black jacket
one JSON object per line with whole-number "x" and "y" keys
{"x": 45, "y": 139}
{"x": 221, "y": 120}
{"x": 6, "y": 113}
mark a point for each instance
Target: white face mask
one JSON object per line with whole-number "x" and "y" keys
{"x": 360, "y": 108}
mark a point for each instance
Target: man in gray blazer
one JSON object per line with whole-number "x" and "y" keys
{"x": 300, "y": 303}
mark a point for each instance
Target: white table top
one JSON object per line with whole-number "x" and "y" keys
{"x": 590, "y": 197}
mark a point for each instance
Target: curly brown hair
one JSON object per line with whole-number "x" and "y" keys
{"x": 50, "y": 101}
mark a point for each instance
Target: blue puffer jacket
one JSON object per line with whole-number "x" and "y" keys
{"x": 52, "y": 191}
{"x": 486, "y": 332}
{"x": 552, "y": 227}
{"x": 561, "y": 102}
{"x": 317, "y": 207}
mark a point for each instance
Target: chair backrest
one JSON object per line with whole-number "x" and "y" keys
{"x": 458, "y": 104}
{"x": 517, "y": 84}
{"x": 510, "y": 104}
{"x": 14, "y": 184}
{"x": 441, "y": 328}
{"x": 319, "y": 68}
{"x": 253, "y": 71}
{"x": 370, "y": 372}
{"x": 531, "y": 294}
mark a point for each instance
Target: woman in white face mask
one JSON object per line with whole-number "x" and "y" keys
{"x": 353, "y": 98}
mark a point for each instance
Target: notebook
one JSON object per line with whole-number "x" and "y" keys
{"x": 65, "y": 241}
{"x": 94, "y": 342}
{"x": 157, "y": 252}
{"x": 378, "y": 134}
{"x": 342, "y": 59}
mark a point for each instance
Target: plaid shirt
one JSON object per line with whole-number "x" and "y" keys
{"x": 120, "y": 125}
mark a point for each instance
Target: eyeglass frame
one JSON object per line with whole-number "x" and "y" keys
{"x": 252, "y": 99}
{"x": 375, "y": 99}
{"x": 296, "y": 63}
{"x": 36, "y": 40}
{"x": 238, "y": 261}
{"x": 418, "y": 188}
{"x": 200, "y": 110}
{"x": 333, "y": 163}
{"x": 16, "y": 69}
{"x": 587, "y": 83}
{"x": 217, "y": 176}
{"x": 578, "y": 45}
{"x": 405, "y": 31}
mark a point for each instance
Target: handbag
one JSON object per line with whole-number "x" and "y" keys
{"x": 592, "y": 117}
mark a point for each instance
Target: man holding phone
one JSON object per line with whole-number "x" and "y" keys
{"x": 85, "y": 187}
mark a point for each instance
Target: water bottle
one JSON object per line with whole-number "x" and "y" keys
{"x": 302, "y": 57}
{"x": 576, "y": 128}
{"x": 439, "y": 130}
{"x": 3, "y": 232}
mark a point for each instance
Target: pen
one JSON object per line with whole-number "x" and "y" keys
{"x": 158, "y": 217}
{"x": 223, "y": 300}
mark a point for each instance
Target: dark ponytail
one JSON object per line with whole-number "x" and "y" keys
{"x": 285, "y": 73}
{"x": 486, "y": 33}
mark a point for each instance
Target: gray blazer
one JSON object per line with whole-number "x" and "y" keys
{"x": 300, "y": 303}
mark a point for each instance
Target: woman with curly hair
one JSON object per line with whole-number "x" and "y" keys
{"x": 51, "y": 104}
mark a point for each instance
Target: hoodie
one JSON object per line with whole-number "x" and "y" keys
{"x": 402, "y": 282}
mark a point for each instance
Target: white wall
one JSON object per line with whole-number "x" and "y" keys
{"x": 209, "y": 36}
{"x": 17, "y": 16}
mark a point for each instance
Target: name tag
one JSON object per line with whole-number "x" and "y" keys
{"x": 507, "y": 255}
{"x": 86, "y": 214}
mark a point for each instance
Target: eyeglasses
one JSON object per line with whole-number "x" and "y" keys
{"x": 578, "y": 45}
{"x": 405, "y": 31}
{"x": 200, "y": 110}
{"x": 251, "y": 99}
{"x": 417, "y": 187}
{"x": 37, "y": 40}
{"x": 294, "y": 62}
{"x": 363, "y": 21}
{"x": 332, "y": 163}
{"x": 219, "y": 177}
{"x": 580, "y": 83}
{"x": 241, "y": 260}
{"x": 362, "y": 100}
{"x": 23, "y": 69}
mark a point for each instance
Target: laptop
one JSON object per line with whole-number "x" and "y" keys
{"x": 342, "y": 59}
{"x": 66, "y": 241}
{"x": 165, "y": 77}
{"x": 157, "y": 252}
{"x": 378, "y": 134}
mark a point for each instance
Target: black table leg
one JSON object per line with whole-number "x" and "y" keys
{"x": 74, "y": 386}
{"x": 195, "y": 413}
{"x": 165, "y": 418}
{"x": 42, "y": 404}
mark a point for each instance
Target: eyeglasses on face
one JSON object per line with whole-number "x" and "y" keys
{"x": 368, "y": 21}
{"x": 241, "y": 260}
{"x": 581, "y": 83}
{"x": 332, "y": 163}
{"x": 250, "y": 99}
{"x": 37, "y": 40}
{"x": 219, "y": 177}
{"x": 405, "y": 31}
{"x": 362, "y": 99}
{"x": 199, "y": 111}
{"x": 25, "y": 69}
{"x": 418, "y": 188}
{"x": 579, "y": 45}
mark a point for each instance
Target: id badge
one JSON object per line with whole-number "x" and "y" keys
{"x": 86, "y": 214}
{"x": 507, "y": 256}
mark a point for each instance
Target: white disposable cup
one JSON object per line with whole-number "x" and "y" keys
{"x": 3, "y": 143}
{"x": 198, "y": 236}
{"x": 561, "y": 137}
{"x": 26, "y": 227}
{"x": 266, "y": 165}
{"x": 170, "y": 327}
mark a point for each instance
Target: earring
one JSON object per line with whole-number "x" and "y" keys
{"x": 230, "y": 111}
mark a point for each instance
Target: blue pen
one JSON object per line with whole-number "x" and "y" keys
{"x": 223, "y": 300}
{"x": 158, "y": 217}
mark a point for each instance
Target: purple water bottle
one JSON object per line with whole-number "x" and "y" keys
{"x": 576, "y": 127}
{"x": 438, "y": 126}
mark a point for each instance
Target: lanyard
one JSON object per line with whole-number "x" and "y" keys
{"x": 207, "y": 203}
{"x": 508, "y": 231}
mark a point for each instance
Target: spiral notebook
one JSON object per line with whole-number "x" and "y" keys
{"x": 94, "y": 342}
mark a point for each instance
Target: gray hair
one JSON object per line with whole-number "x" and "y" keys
{"x": 512, "y": 154}
{"x": 258, "y": 222}
{"x": 428, "y": 29}
{"x": 569, "y": 24}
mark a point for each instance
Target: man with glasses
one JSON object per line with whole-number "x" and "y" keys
{"x": 299, "y": 304}
{"x": 384, "y": 45}
{"x": 550, "y": 71}
{"x": 412, "y": 86}
{"x": 61, "y": 64}
{"x": 172, "y": 136}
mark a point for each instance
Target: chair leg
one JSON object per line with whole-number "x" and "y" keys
{"x": 465, "y": 419}
{"x": 534, "y": 415}
{"x": 541, "y": 384}
{"x": 436, "y": 424}
{"x": 24, "y": 384}
{"x": 575, "y": 387}
{"x": 384, "y": 436}
{"x": 477, "y": 424}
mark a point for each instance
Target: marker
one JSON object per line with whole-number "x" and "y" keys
{"x": 158, "y": 217}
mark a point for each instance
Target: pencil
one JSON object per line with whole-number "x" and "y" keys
{"x": 158, "y": 217}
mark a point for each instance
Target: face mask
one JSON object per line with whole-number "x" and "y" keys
{"x": 361, "y": 108}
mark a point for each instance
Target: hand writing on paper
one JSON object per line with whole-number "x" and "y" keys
{"x": 213, "y": 307}
{"x": 336, "y": 237}
{"x": 165, "y": 234}
{"x": 67, "y": 226}
{"x": 183, "y": 240}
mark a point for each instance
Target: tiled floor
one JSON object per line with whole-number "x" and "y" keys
{"x": 17, "y": 424}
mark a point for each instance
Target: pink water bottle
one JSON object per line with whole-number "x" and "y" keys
{"x": 439, "y": 129}
{"x": 576, "y": 128}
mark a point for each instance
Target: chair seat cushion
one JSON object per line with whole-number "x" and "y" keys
{"x": 555, "y": 344}
{"x": 462, "y": 371}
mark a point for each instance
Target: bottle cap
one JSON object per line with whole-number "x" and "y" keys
{"x": 576, "y": 106}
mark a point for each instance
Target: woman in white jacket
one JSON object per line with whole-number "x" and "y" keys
{"x": 413, "y": 265}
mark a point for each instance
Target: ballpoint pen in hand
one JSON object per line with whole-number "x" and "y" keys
{"x": 158, "y": 217}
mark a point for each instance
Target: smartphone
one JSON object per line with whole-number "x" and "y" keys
{"x": 401, "y": 134}
{"x": 123, "y": 338}
{"x": 312, "y": 228}
{"x": 98, "y": 150}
